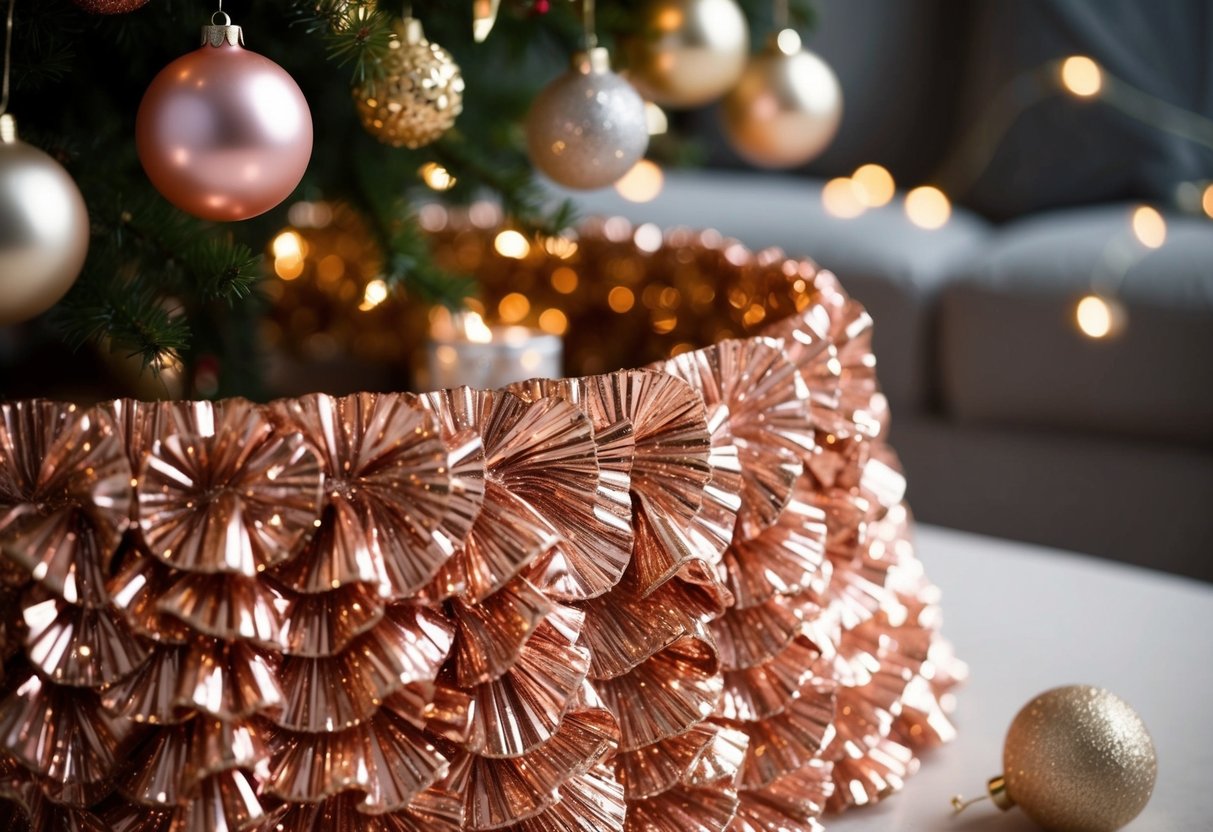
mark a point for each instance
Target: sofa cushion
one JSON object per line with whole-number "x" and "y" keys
{"x": 893, "y": 267}
{"x": 1011, "y": 352}
{"x": 1049, "y": 149}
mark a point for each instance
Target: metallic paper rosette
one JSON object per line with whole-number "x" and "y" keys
{"x": 659, "y": 600}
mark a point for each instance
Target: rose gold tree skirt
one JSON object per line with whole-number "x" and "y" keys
{"x": 679, "y": 598}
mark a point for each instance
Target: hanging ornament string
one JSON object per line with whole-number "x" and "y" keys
{"x": 781, "y": 15}
{"x": 8, "y": 57}
{"x": 589, "y": 37}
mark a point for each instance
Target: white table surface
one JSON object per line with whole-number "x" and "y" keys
{"x": 1027, "y": 619}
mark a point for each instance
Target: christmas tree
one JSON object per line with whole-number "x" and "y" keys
{"x": 162, "y": 290}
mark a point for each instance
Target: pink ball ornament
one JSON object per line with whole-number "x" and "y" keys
{"x": 224, "y": 133}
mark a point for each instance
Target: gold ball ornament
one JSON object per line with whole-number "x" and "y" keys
{"x": 44, "y": 228}
{"x": 688, "y": 52}
{"x": 419, "y": 95}
{"x": 786, "y": 108}
{"x": 1077, "y": 759}
{"x": 587, "y": 128}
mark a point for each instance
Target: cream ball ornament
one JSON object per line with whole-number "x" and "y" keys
{"x": 1077, "y": 759}
{"x": 786, "y": 108}
{"x": 688, "y": 52}
{"x": 44, "y": 228}
{"x": 587, "y": 128}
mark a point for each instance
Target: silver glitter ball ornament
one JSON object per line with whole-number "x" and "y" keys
{"x": 43, "y": 228}
{"x": 587, "y": 128}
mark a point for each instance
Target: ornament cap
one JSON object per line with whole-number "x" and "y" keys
{"x": 997, "y": 787}
{"x": 785, "y": 42}
{"x": 8, "y": 129}
{"x": 595, "y": 61}
{"x": 217, "y": 34}
{"x": 410, "y": 31}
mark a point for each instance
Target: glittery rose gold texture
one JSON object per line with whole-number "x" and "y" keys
{"x": 670, "y": 599}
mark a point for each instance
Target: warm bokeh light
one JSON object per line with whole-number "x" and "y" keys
{"x": 642, "y": 183}
{"x": 289, "y": 250}
{"x": 1099, "y": 317}
{"x": 437, "y": 177}
{"x": 928, "y": 207}
{"x": 475, "y": 329}
{"x": 310, "y": 214}
{"x": 513, "y": 307}
{"x": 561, "y": 247}
{"x": 288, "y": 244}
{"x": 1149, "y": 227}
{"x": 564, "y": 280}
{"x": 289, "y": 267}
{"x": 840, "y": 198}
{"x": 1206, "y": 201}
{"x": 553, "y": 321}
{"x": 376, "y": 292}
{"x": 512, "y": 244}
{"x": 1081, "y": 76}
{"x": 648, "y": 237}
{"x": 873, "y": 185}
{"x": 530, "y": 360}
{"x": 621, "y": 299}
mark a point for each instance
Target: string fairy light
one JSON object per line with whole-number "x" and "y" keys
{"x": 1081, "y": 77}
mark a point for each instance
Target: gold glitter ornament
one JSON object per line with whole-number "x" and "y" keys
{"x": 1076, "y": 759}
{"x": 419, "y": 95}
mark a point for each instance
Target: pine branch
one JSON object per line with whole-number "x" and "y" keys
{"x": 523, "y": 199}
{"x": 192, "y": 256}
{"x": 355, "y": 32}
{"x": 127, "y": 314}
{"x": 408, "y": 262}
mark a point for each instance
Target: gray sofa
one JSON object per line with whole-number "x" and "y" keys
{"x": 1008, "y": 419}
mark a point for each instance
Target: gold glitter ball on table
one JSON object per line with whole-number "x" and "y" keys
{"x": 419, "y": 95}
{"x": 110, "y": 6}
{"x": 1076, "y": 759}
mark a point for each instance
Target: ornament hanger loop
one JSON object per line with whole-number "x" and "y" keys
{"x": 959, "y": 804}
{"x": 781, "y": 15}
{"x": 589, "y": 37}
{"x": 8, "y": 57}
{"x": 225, "y": 17}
